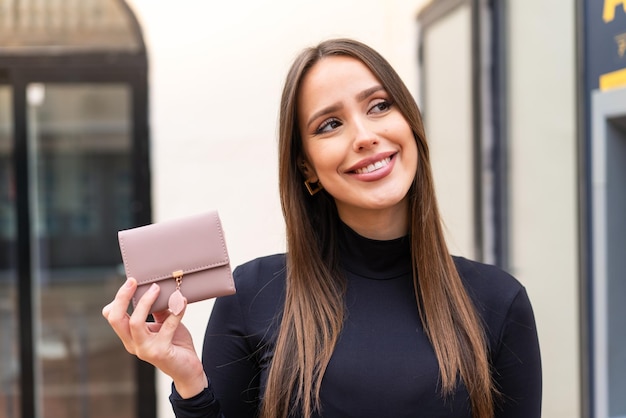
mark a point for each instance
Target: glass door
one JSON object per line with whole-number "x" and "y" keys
{"x": 80, "y": 153}
{"x": 9, "y": 343}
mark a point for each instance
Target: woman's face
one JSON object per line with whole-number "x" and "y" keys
{"x": 356, "y": 141}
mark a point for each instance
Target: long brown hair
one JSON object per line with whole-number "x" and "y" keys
{"x": 313, "y": 314}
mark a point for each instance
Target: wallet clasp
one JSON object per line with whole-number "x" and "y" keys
{"x": 178, "y": 276}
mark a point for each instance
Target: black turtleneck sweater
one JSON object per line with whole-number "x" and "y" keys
{"x": 383, "y": 364}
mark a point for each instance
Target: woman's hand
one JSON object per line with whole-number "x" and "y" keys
{"x": 165, "y": 343}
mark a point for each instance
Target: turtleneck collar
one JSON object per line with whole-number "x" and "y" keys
{"x": 374, "y": 259}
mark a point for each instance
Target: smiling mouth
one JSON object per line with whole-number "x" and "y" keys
{"x": 374, "y": 166}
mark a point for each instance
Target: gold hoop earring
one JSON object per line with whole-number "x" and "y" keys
{"x": 313, "y": 187}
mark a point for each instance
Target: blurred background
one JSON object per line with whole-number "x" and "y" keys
{"x": 119, "y": 113}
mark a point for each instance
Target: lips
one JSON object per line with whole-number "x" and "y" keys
{"x": 374, "y": 166}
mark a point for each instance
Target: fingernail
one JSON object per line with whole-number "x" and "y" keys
{"x": 127, "y": 283}
{"x": 154, "y": 287}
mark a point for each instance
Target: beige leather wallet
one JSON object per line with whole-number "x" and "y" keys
{"x": 186, "y": 257}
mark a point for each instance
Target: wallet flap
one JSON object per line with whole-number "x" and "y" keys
{"x": 154, "y": 252}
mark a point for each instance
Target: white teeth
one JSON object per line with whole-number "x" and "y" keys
{"x": 375, "y": 166}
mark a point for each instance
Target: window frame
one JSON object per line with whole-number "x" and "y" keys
{"x": 17, "y": 71}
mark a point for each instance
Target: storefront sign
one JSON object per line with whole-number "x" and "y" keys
{"x": 605, "y": 44}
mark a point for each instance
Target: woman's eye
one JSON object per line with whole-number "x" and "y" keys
{"x": 328, "y": 125}
{"x": 380, "y": 107}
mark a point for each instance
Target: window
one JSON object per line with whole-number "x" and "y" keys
{"x": 9, "y": 372}
{"x": 74, "y": 169}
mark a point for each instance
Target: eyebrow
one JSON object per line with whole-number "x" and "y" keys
{"x": 337, "y": 106}
{"x": 368, "y": 92}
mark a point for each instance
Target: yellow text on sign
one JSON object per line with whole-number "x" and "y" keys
{"x": 608, "y": 14}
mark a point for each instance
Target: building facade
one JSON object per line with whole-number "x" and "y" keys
{"x": 115, "y": 114}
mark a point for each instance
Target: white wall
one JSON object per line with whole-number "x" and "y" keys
{"x": 543, "y": 187}
{"x": 216, "y": 73}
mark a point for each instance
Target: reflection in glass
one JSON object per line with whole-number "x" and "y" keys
{"x": 9, "y": 371}
{"x": 80, "y": 145}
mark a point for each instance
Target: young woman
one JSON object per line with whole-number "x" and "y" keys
{"x": 367, "y": 315}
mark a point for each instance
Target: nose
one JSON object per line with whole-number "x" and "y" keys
{"x": 364, "y": 137}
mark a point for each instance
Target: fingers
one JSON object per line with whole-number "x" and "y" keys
{"x": 161, "y": 316}
{"x": 154, "y": 340}
{"x": 121, "y": 301}
{"x": 137, "y": 321}
{"x": 149, "y": 341}
{"x": 170, "y": 323}
{"x": 115, "y": 312}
